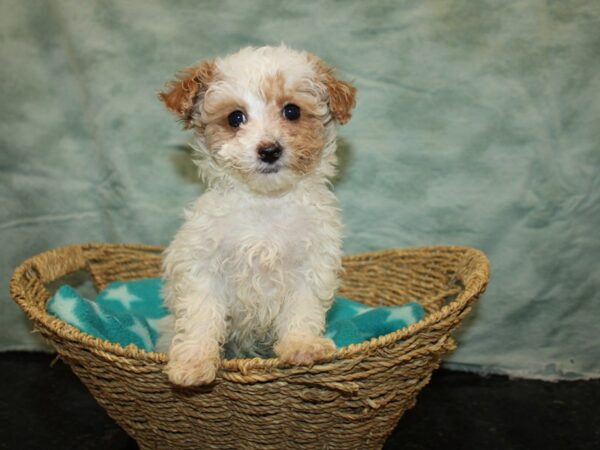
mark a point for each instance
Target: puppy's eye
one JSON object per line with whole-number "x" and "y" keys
{"x": 291, "y": 112}
{"x": 236, "y": 118}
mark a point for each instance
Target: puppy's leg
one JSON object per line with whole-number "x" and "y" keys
{"x": 300, "y": 327}
{"x": 200, "y": 327}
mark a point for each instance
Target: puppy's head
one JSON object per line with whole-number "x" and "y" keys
{"x": 265, "y": 116}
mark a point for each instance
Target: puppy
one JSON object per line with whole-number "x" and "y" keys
{"x": 257, "y": 261}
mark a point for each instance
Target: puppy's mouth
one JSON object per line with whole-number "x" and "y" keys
{"x": 268, "y": 170}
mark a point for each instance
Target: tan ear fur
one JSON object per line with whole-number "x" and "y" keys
{"x": 181, "y": 94}
{"x": 342, "y": 95}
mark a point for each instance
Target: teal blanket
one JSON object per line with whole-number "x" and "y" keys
{"x": 127, "y": 312}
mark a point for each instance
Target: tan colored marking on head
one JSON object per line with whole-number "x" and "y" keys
{"x": 215, "y": 120}
{"x": 219, "y": 109}
{"x": 304, "y": 137}
{"x": 273, "y": 88}
{"x": 275, "y": 91}
{"x": 304, "y": 140}
{"x": 217, "y": 134}
{"x": 182, "y": 93}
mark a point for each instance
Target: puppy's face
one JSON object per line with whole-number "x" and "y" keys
{"x": 264, "y": 116}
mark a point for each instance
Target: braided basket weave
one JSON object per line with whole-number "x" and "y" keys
{"x": 353, "y": 401}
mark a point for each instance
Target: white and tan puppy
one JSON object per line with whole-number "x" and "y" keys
{"x": 256, "y": 264}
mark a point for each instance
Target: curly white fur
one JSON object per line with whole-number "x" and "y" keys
{"x": 255, "y": 265}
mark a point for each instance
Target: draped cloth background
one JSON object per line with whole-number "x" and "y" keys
{"x": 477, "y": 124}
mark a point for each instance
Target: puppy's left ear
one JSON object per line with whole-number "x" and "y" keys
{"x": 182, "y": 94}
{"x": 342, "y": 95}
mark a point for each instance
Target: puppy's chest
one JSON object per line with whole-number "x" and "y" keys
{"x": 267, "y": 238}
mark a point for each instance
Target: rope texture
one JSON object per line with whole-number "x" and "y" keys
{"x": 352, "y": 401}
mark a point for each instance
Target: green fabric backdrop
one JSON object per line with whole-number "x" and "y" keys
{"x": 477, "y": 124}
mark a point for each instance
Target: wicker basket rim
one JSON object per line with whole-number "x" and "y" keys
{"x": 473, "y": 288}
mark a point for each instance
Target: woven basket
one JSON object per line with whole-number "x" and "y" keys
{"x": 353, "y": 401}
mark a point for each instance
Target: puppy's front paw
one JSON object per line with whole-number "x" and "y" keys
{"x": 192, "y": 373}
{"x": 304, "y": 350}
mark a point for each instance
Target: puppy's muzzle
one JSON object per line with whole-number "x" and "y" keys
{"x": 269, "y": 153}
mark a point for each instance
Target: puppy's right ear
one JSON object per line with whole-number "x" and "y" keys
{"x": 181, "y": 94}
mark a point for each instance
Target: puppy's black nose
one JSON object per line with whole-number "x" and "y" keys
{"x": 269, "y": 153}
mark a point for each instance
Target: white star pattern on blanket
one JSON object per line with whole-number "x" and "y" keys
{"x": 405, "y": 315}
{"x": 142, "y": 332}
{"x": 122, "y": 295}
{"x": 67, "y": 309}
